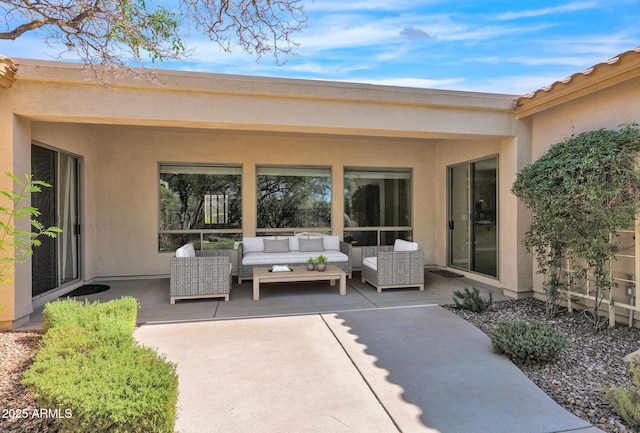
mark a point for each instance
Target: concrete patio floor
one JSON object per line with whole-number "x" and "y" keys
{"x": 277, "y": 299}
{"x": 305, "y": 359}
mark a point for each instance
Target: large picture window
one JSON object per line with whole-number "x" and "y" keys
{"x": 377, "y": 206}
{"x": 200, "y": 204}
{"x": 293, "y": 199}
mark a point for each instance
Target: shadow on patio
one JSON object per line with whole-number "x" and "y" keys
{"x": 277, "y": 299}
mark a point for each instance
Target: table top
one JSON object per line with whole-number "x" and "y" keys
{"x": 297, "y": 272}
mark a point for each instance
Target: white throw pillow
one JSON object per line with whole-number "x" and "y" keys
{"x": 331, "y": 242}
{"x": 293, "y": 243}
{"x": 186, "y": 251}
{"x": 253, "y": 245}
{"x": 402, "y": 245}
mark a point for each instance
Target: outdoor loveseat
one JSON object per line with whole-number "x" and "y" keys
{"x": 400, "y": 265}
{"x": 200, "y": 274}
{"x": 290, "y": 250}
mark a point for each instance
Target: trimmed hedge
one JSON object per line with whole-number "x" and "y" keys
{"x": 91, "y": 366}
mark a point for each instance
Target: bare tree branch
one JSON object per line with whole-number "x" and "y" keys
{"x": 116, "y": 32}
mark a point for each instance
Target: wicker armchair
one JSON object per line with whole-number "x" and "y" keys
{"x": 388, "y": 269}
{"x": 208, "y": 275}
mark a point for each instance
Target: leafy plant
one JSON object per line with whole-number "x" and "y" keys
{"x": 580, "y": 192}
{"x": 529, "y": 342}
{"x": 626, "y": 399}
{"x": 13, "y": 238}
{"x": 311, "y": 260}
{"x": 91, "y": 366}
{"x": 472, "y": 300}
{"x": 322, "y": 259}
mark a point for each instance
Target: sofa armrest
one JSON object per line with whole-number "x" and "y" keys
{"x": 346, "y": 248}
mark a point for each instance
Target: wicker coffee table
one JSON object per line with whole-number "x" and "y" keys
{"x": 298, "y": 273}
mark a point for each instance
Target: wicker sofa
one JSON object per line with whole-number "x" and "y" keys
{"x": 290, "y": 250}
{"x": 200, "y": 274}
{"x": 400, "y": 265}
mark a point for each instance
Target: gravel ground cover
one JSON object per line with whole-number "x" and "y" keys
{"x": 575, "y": 380}
{"x": 18, "y": 409}
{"x": 588, "y": 362}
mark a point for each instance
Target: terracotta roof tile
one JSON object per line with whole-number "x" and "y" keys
{"x": 586, "y": 72}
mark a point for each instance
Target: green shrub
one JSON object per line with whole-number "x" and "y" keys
{"x": 472, "y": 300}
{"x": 626, "y": 399}
{"x": 91, "y": 365}
{"x": 89, "y": 315}
{"x": 530, "y": 342}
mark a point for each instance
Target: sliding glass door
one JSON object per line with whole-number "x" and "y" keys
{"x": 473, "y": 217}
{"x": 56, "y": 261}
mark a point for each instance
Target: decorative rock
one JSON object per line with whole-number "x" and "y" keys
{"x": 633, "y": 358}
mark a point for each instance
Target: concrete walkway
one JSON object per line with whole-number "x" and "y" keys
{"x": 397, "y": 369}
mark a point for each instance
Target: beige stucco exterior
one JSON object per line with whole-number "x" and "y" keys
{"x": 605, "y": 96}
{"x": 122, "y": 132}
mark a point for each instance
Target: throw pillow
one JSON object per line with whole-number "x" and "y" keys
{"x": 186, "y": 251}
{"x": 331, "y": 243}
{"x": 307, "y": 245}
{"x": 402, "y": 245}
{"x": 276, "y": 246}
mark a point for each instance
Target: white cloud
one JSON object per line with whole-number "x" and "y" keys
{"x": 569, "y": 7}
{"x": 368, "y": 5}
{"x": 510, "y": 85}
{"x": 444, "y": 83}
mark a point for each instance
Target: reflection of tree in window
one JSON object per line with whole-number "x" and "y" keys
{"x": 377, "y": 199}
{"x": 185, "y": 195}
{"x": 293, "y": 201}
{"x": 366, "y": 205}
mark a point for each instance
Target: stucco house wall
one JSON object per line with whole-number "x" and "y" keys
{"x": 122, "y": 132}
{"x": 605, "y": 96}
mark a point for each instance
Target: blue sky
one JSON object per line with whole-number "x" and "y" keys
{"x": 511, "y": 47}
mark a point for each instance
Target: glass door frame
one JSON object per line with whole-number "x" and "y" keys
{"x": 72, "y": 228}
{"x": 471, "y": 217}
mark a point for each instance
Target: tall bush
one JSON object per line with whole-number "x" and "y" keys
{"x": 580, "y": 193}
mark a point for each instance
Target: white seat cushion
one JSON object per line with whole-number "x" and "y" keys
{"x": 370, "y": 262}
{"x": 290, "y": 257}
{"x": 402, "y": 245}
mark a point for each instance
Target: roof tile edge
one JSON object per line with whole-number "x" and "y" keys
{"x": 7, "y": 71}
{"x": 546, "y": 93}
